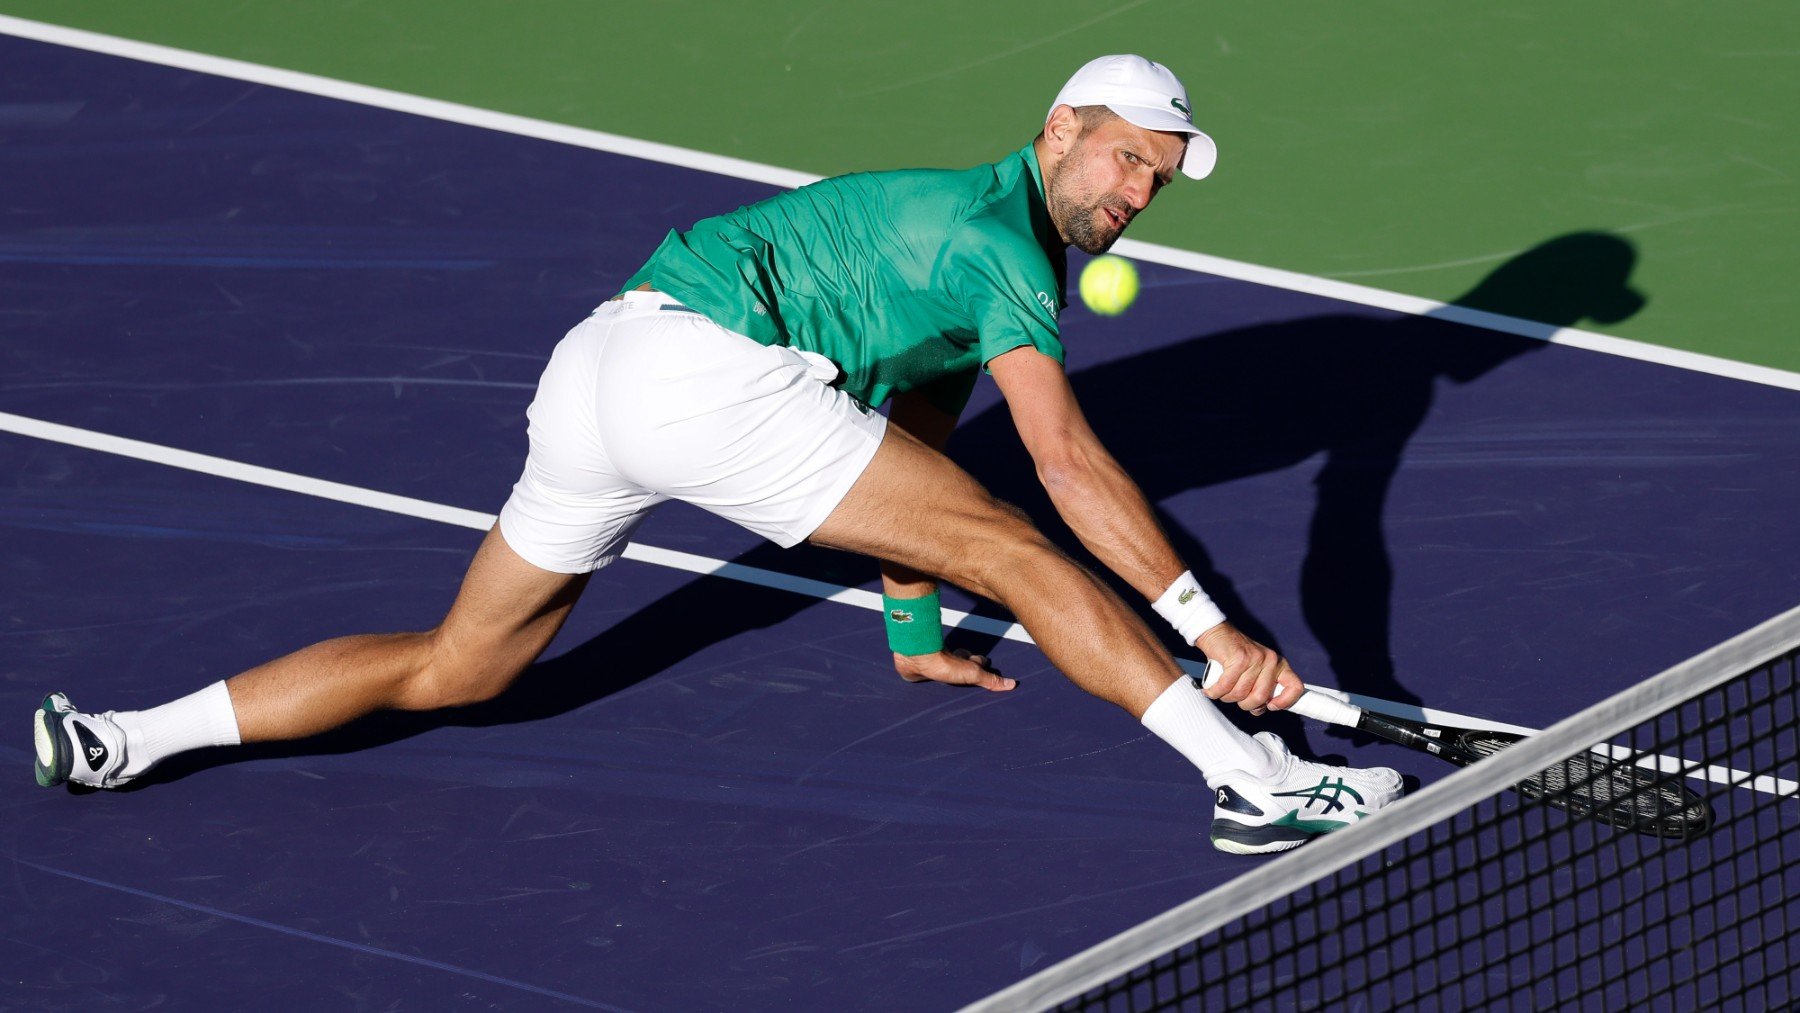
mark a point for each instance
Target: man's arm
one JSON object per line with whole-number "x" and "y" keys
{"x": 914, "y": 412}
{"x": 1108, "y": 512}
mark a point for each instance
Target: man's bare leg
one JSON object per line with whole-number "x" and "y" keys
{"x": 961, "y": 533}
{"x": 914, "y": 507}
{"x": 504, "y": 616}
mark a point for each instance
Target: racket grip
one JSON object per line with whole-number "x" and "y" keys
{"x": 1320, "y": 707}
{"x": 1317, "y": 706}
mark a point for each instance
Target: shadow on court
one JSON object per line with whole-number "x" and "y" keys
{"x": 1352, "y": 388}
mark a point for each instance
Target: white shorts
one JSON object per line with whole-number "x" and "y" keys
{"x": 646, "y": 401}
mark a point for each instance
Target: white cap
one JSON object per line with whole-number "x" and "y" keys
{"x": 1147, "y": 94}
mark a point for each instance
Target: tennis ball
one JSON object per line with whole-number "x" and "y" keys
{"x": 1109, "y": 285}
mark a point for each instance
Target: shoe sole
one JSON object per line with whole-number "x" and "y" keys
{"x": 1232, "y": 847}
{"x": 1243, "y": 839}
{"x": 55, "y": 758}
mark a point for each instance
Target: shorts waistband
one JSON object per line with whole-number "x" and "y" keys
{"x": 652, "y": 300}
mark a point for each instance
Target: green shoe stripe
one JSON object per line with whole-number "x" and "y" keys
{"x": 1293, "y": 819}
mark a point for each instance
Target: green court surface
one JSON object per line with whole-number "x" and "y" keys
{"x": 1403, "y": 145}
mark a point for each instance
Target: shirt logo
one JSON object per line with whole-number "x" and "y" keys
{"x": 1182, "y": 107}
{"x": 1048, "y": 303}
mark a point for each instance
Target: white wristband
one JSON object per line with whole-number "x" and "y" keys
{"x": 1188, "y": 609}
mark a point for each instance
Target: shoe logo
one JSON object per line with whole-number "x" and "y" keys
{"x": 1187, "y": 596}
{"x": 1328, "y": 793}
{"x": 96, "y": 750}
{"x": 900, "y": 616}
{"x": 1232, "y": 802}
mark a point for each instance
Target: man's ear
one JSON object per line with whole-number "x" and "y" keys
{"x": 1061, "y": 129}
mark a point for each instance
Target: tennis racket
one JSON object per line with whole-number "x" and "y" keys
{"x": 1616, "y": 792}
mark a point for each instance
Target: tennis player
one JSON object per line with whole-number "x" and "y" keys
{"x": 738, "y": 370}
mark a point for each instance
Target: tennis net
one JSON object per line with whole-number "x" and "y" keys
{"x": 1470, "y": 896}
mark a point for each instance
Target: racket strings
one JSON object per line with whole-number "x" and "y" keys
{"x": 1617, "y": 791}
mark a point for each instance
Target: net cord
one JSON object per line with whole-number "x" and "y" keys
{"x": 1302, "y": 867}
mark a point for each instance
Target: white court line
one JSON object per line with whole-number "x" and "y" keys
{"x": 525, "y": 126}
{"x": 776, "y": 176}
{"x": 288, "y": 481}
{"x": 1381, "y": 299}
{"x": 382, "y": 98}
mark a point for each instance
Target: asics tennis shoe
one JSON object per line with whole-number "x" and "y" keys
{"x": 1301, "y": 801}
{"x": 71, "y": 746}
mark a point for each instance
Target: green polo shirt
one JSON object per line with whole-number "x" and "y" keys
{"x": 907, "y": 279}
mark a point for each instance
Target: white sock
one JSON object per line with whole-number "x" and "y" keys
{"x": 1184, "y": 718}
{"x": 199, "y": 719}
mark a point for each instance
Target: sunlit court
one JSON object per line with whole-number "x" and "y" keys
{"x": 273, "y": 305}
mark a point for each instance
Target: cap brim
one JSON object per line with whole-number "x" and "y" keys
{"x": 1202, "y": 153}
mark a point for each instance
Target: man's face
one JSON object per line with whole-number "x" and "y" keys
{"x": 1111, "y": 172}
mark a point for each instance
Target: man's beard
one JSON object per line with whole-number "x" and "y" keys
{"x": 1086, "y": 228}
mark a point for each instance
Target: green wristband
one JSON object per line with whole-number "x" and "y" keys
{"x": 914, "y": 625}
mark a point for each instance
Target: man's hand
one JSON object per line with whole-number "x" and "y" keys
{"x": 955, "y": 668}
{"x": 1252, "y": 671}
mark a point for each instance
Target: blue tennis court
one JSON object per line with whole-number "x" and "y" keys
{"x": 714, "y": 793}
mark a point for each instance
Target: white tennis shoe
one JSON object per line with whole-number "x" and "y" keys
{"x": 1301, "y": 801}
{"x": 71, "y": 746}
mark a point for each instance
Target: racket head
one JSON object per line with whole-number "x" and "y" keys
{"x": 1614, "y": 791}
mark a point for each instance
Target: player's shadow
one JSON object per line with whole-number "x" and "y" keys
{"x": 1350, "y": 387}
